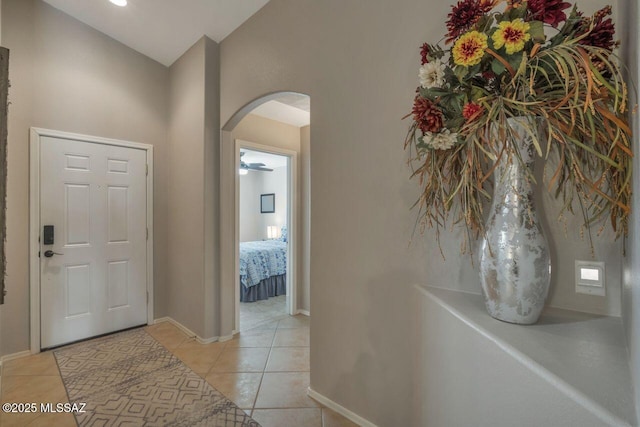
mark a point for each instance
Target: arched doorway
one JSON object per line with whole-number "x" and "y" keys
{"x": 234, "y": 135}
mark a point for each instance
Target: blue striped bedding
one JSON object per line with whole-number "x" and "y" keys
{"x": 261, "y": 260}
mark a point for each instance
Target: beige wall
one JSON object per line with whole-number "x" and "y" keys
{"x": 358, "y": 61}
{"x": 192, "y": 188}
{"x": 249, "y": 223}
{"x": 304, "y": 250}
{"x": 275, "y": 182}
{"x": 268, "y": 132}
{"x": 211, "y": 294}
{"x": 67, "y": 76}
{"x": 185, "y": 188}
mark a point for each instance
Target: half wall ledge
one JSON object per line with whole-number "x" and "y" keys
{"x": 569, "y": 369}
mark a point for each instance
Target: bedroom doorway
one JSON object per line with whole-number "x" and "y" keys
{"x": 277, "y": 123}
{"x": 266, "y": 209}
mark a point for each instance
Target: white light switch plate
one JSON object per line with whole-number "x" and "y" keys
{"x": 589, "y": 278}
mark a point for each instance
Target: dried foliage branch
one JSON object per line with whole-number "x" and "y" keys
{"x": 504, "y": 66}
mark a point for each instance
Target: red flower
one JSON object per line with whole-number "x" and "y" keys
{"x": 488, "y": 75}
{"x": 601, "y": 35}
{"x": 427, "y": 115}
{"x": 548, "y": 11}
{"x": 464, "y": 15}
{"x": 471, "y": 111}
{"x": 424, "y": 51}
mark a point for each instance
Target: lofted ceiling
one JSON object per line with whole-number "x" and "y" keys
{"x": 162, "y": 29}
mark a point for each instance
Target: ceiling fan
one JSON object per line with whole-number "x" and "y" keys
{"x": 253, "y": 166}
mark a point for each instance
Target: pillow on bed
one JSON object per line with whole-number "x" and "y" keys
{"x": 283, "y": 233}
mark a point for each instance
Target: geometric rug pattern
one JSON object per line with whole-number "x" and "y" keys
{"x": 129, "y": 379}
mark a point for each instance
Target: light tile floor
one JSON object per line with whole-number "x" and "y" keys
{"x": 265, "y": 371}
{"x": 253, "y": 314}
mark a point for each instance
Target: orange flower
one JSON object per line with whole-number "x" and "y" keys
{"x": 469, "y": 49}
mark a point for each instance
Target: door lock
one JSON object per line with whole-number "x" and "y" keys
{"x": 47, "y": 235}
{"x": 50, "y": 253}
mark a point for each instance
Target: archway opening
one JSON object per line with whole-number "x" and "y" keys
{"x": 277, "y": 124}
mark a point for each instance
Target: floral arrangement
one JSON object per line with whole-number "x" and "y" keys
{"x": 502, "y": 64}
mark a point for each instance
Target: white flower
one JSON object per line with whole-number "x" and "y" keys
{"x": 432, "y": 74}
{"x": 442, "y": 140}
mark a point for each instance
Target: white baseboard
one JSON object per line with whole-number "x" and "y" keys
{"x": 304, "y": 312}
{"x": 226, "y": 337}
{"x": 13, "y": 356}
{"x": 339, "y": 409}
{"x": 186, "y": 330}
{"x": 208, "y": 340}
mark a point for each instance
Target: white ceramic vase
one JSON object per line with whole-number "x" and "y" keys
{"x": 515, "y": 268}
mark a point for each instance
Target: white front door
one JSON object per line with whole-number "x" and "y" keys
{"x": 93, "y": 279}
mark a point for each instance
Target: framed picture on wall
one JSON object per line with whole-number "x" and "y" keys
{"x": 268, "y": 203}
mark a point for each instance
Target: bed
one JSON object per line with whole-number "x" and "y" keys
{"x": 263, "y": 268}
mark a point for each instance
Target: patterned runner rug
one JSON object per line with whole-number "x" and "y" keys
{"x": 131, "y": 379}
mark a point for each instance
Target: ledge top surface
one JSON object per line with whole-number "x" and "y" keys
{"x": 585, "y": 352}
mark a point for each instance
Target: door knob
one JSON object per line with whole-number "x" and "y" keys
{"x": 50, "y": 253}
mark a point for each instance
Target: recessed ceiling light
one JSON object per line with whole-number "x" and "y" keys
{"x": 120, "y": 3}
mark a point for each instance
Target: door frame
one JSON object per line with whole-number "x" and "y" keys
{"x": 34, "y": 218}
{"x": 292, "y": 224}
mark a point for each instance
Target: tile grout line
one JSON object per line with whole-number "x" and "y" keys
{"x": 224, "y": 347}
{"x": 264, "y": 370}
{"x": 275, "y": 331}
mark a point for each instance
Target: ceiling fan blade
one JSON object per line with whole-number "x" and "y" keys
{"x": 254, "y": 166}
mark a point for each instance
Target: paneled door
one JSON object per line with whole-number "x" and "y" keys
{"x": 93, "y": 252}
